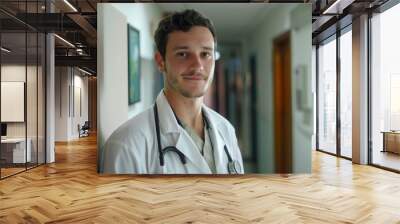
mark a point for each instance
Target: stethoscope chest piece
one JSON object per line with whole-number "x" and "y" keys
{"x": 233, "y": 165}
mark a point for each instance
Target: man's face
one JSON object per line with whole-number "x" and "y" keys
{"x": 189, "y": 61}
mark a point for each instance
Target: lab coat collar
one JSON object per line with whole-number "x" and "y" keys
{"x": 186, "y": 145}
{"x": 171, "y": 129}
{"x": 169, "y": 125}
{"x": 217, "y": 140}
{"x": 168, "y": 122}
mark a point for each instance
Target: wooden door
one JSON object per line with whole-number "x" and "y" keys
{"x": 282, "y": 104}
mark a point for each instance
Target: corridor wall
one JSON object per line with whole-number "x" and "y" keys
{"x": 112, "y": 64}
{"x": 294, "y": 19}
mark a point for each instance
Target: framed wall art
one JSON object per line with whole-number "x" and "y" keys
{"x": 133, "y": 65}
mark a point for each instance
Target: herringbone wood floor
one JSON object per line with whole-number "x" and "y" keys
{"x": 70, "y": 191}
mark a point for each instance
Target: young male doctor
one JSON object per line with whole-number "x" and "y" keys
{"x": 178, "y": 134}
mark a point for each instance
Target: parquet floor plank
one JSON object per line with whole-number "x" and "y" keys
{"x": 70, "y": 191}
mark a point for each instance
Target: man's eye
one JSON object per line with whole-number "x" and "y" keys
{"x": 206, "y": 54}
{"x": 182, "y": 54}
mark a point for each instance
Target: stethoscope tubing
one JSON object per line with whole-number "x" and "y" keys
{"x": 177, "y": 151}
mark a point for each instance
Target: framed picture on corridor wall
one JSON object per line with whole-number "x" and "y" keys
{"x": 133, "y": 65}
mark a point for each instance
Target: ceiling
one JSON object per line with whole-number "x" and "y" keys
{"x": 332, "y": 15}
{"x": 76, "y": 24}
{"x": 19, "y": 54}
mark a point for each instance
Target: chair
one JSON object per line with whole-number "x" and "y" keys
{"x": 84, "y": 130}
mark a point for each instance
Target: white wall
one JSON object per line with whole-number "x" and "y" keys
{"x": 16, "y": 72}
{"x": 144, "y": 17}
{"x": 33, "y": 126}
{"x": 61, "y": 103}
{"x": 80, "y": 116}
{"x": 12, "y": 73}
{"x": 112, "y": 64}
{"x": 303, "y": 124}
{"x": 66, "y": 121}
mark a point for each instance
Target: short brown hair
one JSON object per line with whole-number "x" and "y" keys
{"x": 180, "y": 21}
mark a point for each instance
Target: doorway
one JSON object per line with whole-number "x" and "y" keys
{"x": 282, "y": 104}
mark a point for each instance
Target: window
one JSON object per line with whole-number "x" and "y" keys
{"x": 327, "y": 96}
{"x": 385, "y": 89}
{"x": 346, "y": 93}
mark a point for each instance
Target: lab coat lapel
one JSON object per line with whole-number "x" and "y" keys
{"x": 168, "y": 122}
{"x": 170, "y": 129}
{"x": 186, "y": 145}
{"x": 218, "y": 143}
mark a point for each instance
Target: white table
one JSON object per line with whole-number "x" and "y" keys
{"x": 18, "y": 149}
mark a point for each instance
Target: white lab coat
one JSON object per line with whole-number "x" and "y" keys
{"x": 133, "y": 149}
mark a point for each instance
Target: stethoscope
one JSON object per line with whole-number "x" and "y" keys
{"x": 233, "y": 165}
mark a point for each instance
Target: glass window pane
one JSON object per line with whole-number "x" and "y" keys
{"x": 346, "y": 94}
{"x": 313, "y": 81}
{"x": 22, "y": 91}
{"x": 386, "y": 89}
{"x": 31, "y": 97}
{"x": 327, "y": 97}
{"x": 13, "y": 87}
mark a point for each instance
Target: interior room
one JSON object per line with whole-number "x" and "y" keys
{"x": 345, "y": 116}
{"x": 22, "y": 101}
{"x": 334, "y": 67}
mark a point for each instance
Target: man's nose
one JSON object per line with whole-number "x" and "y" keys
{"x": 197, "y": 63}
